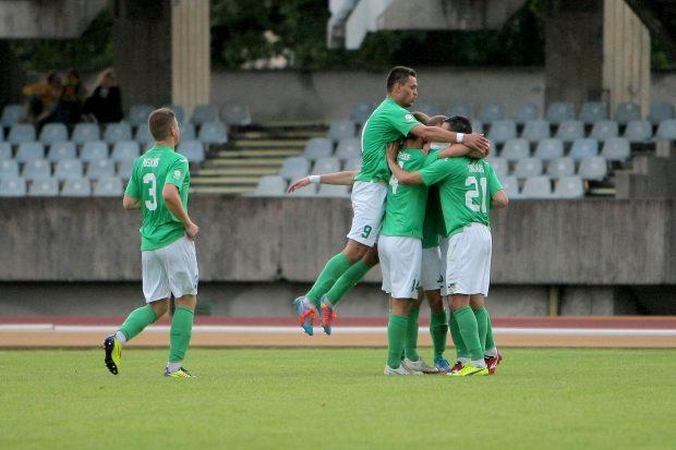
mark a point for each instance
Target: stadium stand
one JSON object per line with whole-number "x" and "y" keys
{"x": 429, "y": 108}
{"x": 30, "y": 151}
{"x": 144, "y": 139}
{"x": 270, "y": 186}
{"x": 352, "y": 164}
{"x": 94, "y": 151}
{"x": 626, "y": 112}
{"x": 593, "y": 168}
{"x": 236, "y": 115}
{"x": 12, "y": 186}
{"x": 333, "y": 190}
{"x": 61, "y": 150}
{"x": 639, "y": 131}
{"x": 9, "y": 168}
{"x": 515, "y": 149}
{"x": 492, "y": 112}
{"x": 500, "y": 165}
{"x": 592, "y": 112}
{"x": 549, "y": 148}
{"x": 67, "y": 169}
{"x": 125, "y": 151}
{"x": 348, "y": 148}
{"x": 616, "y": 149}
{"x": 5, "y": 150}
{"x": 76, "y": 187}
{"x": 100, "y": 168}
{"x": 108, "y": 187}
{"x": 584, "y": 148}
{"x": 318, "y": 147}
{"x": 53, "y": 132}
{"x": 570, "y": 130}
{"x": 558, "y": 112}
{"x": 361, "y": 111}
{"x": 569, "y": 187}
{"x": 527, "y": 112}
{"x": 340, "y": 129}
{"x": 528, "y": 167}
{"x": 501, "y": 131}
{"x": 193, "y": 151}
{"x": 539, "y": 187}
{"x": 604, "y": 129}
{"x": 138, "y": 115}
{"x": 511, "y": 186}
{"x": 213, "y": 133}
{"x": 465, "y": 109}
{"x": 660, "y": 111}
{"x": 561, "y": 167}
{"x": 294, "y": 167}
{"x": 44, "y": 187}
{"x": 36, "y": 169}
{"x": 187, "y": 131}
{"x": 536, "y": 130}
{"x": 117, "y": 132}
{"x": 12, "y": 114}
{"x": 326, "y": 165}
{"x": 85, "y": 132}
{"x": 21, "y": 132}
{"x": 666, "y": 130}
{"x": 204, "y": 113}
{"x": 124, "y": 169}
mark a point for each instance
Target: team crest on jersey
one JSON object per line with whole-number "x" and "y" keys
{"x": 177, "y": 174}
{"x": 409, "y": 118}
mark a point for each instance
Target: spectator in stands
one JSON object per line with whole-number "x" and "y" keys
{"x": 105, "y": 103}
{"x": 42, "y": 98}
{"x": 69, "y": 106}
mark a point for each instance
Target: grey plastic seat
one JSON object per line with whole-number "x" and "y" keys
{"x": 500, "y": 166}
{"x": 76, "y": 187}
{"x": 271, "y": 186}
{"x": 9, "y": 168}
{"x": 213, "y": 133}
{"x": 593, "y": 168}
{"x": 61, "y": 150}
{"x": 30, "y": 151}
{"x": 361, "y": 112}
{"x": 204, "y": 113}
{"x": 604, "y": 129}
{"x": 36, "y": 168}
{"x": 639, "y": 131}
{"x": 44, "y": 187}
{"x": 237, "y": 115}
{"x": 511, "y": 186}
{"x": 558, "y": 112}
{"x": 108, "y": 187}
{"x": 528, "y": 167}
{"x": 666, "y": 130}
{"x": 340, "y": 129}
{"x": 592, "y": 112}
{"x": 326, "y": 165}
{"x": 145, "y": 139}
{"x": 306, "y": 191}
{"x": 94, "y": 151}
{"x": 616, "y": 149}
{"x": 85, "y": 132}
{"x": 179, "y": 111}
{"x": 5, "y": 150}
{"x": 477, "y": 126}
{"x": 125, "y": 151}
{"x": 318, "y": 147}
{"x": 502, "y": 130}
{"x": 539, "y": 187}
{"x": 53, "y": 132}
{"x": 626, "y": 112}
{"x": 561, "y": 167}
{"x": 584, "y": 148}
{"x": 527, "y": 112}
{"x": 660, "y": 111}
{"x": 68, "y": 169}
{"x": 124, "y": 169}
{"x": 550, "y": 148}
{"x": 21, "y": 132}
{"x": 333, "y": 190}
{"x": 515, "y": 149}
{"x": 348, "y": 148}
{"x": 429, "y": 108}
{"x": 569, "y": 187}
{"x": 353, "y": 164}
{"x": 570, "y": 130}
{"x": 138, "y": 115}
{"x": 294, "y": 167}
{"x": 492, "y": 112}
{"x": 193, "y": 150}
{"x": 116, "y": 132}
{"x": 2, "y": 134}
{"x": 14, "y": 186}
{"x": 465, "y": 109}
{"x": 536, "y": 130}
{"x": 100, "y": 168}
{"x": 187, "y": 131}
{"x": 11, "y": 114}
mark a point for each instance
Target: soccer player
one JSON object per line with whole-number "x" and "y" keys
{"x": 159, "y": 186}
{"x": 468, "y": 188}
{"x": 388, "y": 123}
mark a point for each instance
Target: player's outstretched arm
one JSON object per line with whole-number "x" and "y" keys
{"x": 400, "y": 174}
{"x": 457, "y": 150}
{"x": 438, "y": 134}
{"x": 500, "y": 199}
{"x": 345, "y": 177}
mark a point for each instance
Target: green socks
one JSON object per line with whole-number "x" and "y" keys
{"x": 460, "y": 347}
{"x": 396, "y": 334}
{"x": 347, "y": 281}
{"x": 438, "y": 331}
{"x": 490, "y": 342}
{"x": 469, "y": 330}
{"x": 137, "y": 320}
{"x": 411, "y": 344}
{"x": 181, "y": 331}
{"x": 482, "y": 321}
{"x": 333, "y": 270}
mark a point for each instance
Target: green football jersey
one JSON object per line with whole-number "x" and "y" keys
{"x": 152, "y": 170}
{"x": 466, "y": 187}
{"x": 405, "y": 203}
{"x": 388, "y": 123}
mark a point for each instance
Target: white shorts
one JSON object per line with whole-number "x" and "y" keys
{"x": 170, "y": 270}
{"x": 468, "y": 263}
{"x": 400, "y": 261}
{"x": 432, "y": 270}
{"x": 368, "y": 206}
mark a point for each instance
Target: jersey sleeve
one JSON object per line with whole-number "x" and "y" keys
{"x": 177, "y": 172}
{"x": 132, "y": 189}
{"x": 402, "y": 120}
{"x": 437, "y": 171}
{"x": 494, "y": 184}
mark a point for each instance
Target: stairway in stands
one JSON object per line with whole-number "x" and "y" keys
{"x": 252, "y": 152}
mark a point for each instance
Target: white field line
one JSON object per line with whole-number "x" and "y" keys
{"x": 230, "y": 329}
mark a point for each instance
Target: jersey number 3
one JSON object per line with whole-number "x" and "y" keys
{"x": 474, "y": 193}
{"x": 151, "y": 203}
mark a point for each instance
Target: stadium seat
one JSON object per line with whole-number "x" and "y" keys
{"x": 639, "y": 131}
{"x": 204, "y": 114}
{"x": 584, "y": 148}
{"x": 53, "y": 132}
{"x": 539, "y": 187}
{"x": 306, "y": 191}
{"x": 145, "y": 139}
{"x": 36, "y": 168}
{"x": 76, "y": 187}
{"x": 570, "y": 130}
{"x": 561, "y": 167}
{"x": 125, "y": 151}
{"x": 464, "y": 109}
{"x": 108, "y": 187}
{"x": 179, "y": 111}
{"x": 604, "y": 129}
{"x": 348, "y": 148}
{"x": 117, "y": 132}
{"x": 333, "y": 190}
{"x": 536, "y": 130}
{"x": 85, "y": 132}
{"x": 558, "y": 112}
{"x": 660, "y": 111}
{"x": 30, "y": 151}
{"x": 626, "y": 112}
{"x": 294, "y": 167}
{"x": 492, "y": 112}
{"x": 528, "y": 167}
{"x": 666, "y": 130}
{"x": 499, "y": 165}
{"x": 124, "y": 169}
{"x": 94, "y": 151}
{"x": 187, "y": 131}
{"x": 68, "y": 169}
{"x": 593, "y": 168}
{"x": 515, "y": 149}
{"x": 592, "y": 112}
{"x": 21, "y": 132}
{"x": 550, "y": 148}
{"x": 340, "y": 129}
{"x": 361, "y": 112}
{"x": 527, "y": 112}
{"x": 11, "y": 114}
{"x": 5, "y": 150}
{"x": 213, "y": 133}
{"x": 44, "y": 187}
{"x": 138, "y": 115}
{"x": 318, "y": 147}
{"x": 326, "y": 165}
{"x": 9, "y": 168}
{"x": 237, "y": 115}
{"x": 61, "y": 150}
{"x": 477, "y": 126}
{"x": 502, "y": 130}
{"x": 511, "y": 187}
{"x": 100, "y": 168}
{"x": 270, "y": 186}
{"x": 569, "y": 187}
{"x": 616, "y": 149}
{"x": 429, "y": 108}
{"x": 14, "y": 186}
{"x": 353, "y": 164}
{"x": 193, "y": 150}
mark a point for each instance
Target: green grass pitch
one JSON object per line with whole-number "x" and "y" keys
{"x": 336, "y": 399}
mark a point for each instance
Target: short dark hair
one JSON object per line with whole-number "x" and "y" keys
{"x": 436, "y": 121}
{"x": 398, "y": 74}
{"x": 160, "y": 122}
{"x": 459, "y": 124}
